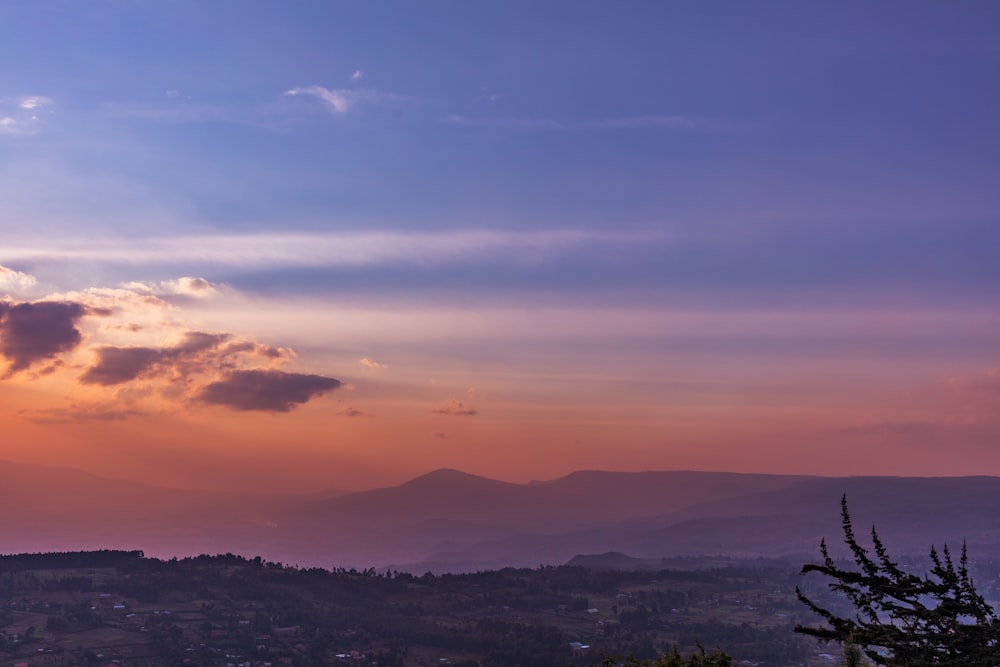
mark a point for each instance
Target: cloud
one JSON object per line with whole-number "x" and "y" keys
{"x": 330, "y": 249}
{"x": 341, "y": 100}
{"x": 197, "y": 353}
{"x": 20, "y": 116}
{"x": 15, "y": 280}
{"x": 350, "y": 411}
{"x": 198, "y": 288}
{"x": 267, "y": 390}
{"x": 81, "y": 413}
{"x": 35, "y": 102}
{"x": 455, "y": 409}
{"x": 121, "y": 352}
{"x": 31, "y": 332}
{"x": 116, "y": 365}
{"x": 439, "y": 435}
{"x": 358, "y": 75}
{"x": 369, "y": 363}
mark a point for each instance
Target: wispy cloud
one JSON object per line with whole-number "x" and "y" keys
{"x": 22, "y": 116}
{"x": 357, "y": 75}
{"x": 82, "y": 412}
{"x": 198, "y": 288}
{"x": 372, "y": 364}
{"x": 341, "y": 100}
{"x": 33, "y": 102}
{"x": 350, "y": 248}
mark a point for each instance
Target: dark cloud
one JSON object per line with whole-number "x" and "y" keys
{"x": 353, "y": 412}
{"x": 196, "y": 341}
{"x": 31, "y": 332}
{"x": 120, "y": 364}
{"x": 455, "y": 409}
{"x": 268, "y": 390}
{"x": 116, "y": 365}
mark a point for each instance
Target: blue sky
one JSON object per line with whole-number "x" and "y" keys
{"x": 513, "y": 188}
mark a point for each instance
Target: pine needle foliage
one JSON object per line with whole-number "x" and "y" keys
{"x": 900, "y": 618}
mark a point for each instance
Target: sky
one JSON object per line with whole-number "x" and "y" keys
{"x": 334, "y": 245}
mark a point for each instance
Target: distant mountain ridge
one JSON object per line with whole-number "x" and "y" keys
{"x": 447, "y": 520}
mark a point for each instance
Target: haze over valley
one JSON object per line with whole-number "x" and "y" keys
{"x": 447, "y": 520}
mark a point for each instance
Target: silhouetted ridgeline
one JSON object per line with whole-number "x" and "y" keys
{"x": 450, "y": 521}
{"x": 66, "y": 560}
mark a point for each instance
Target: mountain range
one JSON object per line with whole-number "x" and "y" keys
{"x": 448, "y": 520}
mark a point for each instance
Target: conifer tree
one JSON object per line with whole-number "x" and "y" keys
{"x": 900, "y": 618}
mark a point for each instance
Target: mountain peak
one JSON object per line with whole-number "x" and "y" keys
{"x": 451, "y": 477}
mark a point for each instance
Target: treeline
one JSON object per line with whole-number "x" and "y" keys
{"x": 68, "y": 560}
{"x": 510, "y": 616}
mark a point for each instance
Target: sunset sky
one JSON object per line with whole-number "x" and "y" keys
{"x": 292, "y": 246}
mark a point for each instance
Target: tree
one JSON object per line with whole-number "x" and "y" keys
{"x": 674, "y": 659}
{"x": 900, "y": 618}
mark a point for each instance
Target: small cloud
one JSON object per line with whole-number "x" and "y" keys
{"x": 266, "y": 390}
{"x": 22, "y": 114}
{"x": 372, "y": 364}
{"x": 455, "y": 409}
{"x": 35, "y": 102}
{"x": 358, "y": 75}
{"x": 338, "y": 101}
{"x": 439, "y": 435}
{"x": 32, "y": 332}
{"x": 341, "y": 100}
{"x": 15, "y": 280}
{"x": 353, "y": 412}
{"x": 15, "y": 127}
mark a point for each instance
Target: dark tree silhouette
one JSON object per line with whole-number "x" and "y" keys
{"x": 900, "y": 618}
